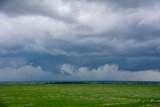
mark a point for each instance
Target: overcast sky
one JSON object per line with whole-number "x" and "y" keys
{"x": 79, "y": 40}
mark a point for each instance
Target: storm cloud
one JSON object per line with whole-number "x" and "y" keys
{"x": 48, "y": 34}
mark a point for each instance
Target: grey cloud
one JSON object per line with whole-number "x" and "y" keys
{"x": 14, "y": 62}
{"x": 55, "y": 9}
{"x": 131, "y": 3}
{"x": 97, "y": 32}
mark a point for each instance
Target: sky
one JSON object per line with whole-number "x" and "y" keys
{"x": 65, "y": 40}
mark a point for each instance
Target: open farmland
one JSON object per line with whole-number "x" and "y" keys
{"x": 79, "y": 95}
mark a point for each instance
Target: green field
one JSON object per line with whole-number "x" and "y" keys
{"x": 79, "y": 95}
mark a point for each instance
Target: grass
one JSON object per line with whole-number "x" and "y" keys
{"x": 79, "y": 95}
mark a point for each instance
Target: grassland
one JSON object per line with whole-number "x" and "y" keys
{"x": 79, "y": 95}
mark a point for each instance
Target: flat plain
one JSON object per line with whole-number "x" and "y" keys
{"x": 79, "y": 95}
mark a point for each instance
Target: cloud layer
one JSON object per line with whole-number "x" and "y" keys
{"x": 108, "y": 72}
{"x": 72, "y": 73}
{"x": 25, "y": 73}
{"x": 46, "y": 26}
{"x": 83, "y": 33}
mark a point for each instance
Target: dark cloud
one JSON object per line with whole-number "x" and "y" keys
{"x": 35, "y": 7}
{"x": 131, "y": 3}
{"x": 47, "y": 34}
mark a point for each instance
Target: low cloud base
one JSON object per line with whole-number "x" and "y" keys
{"x": 69, "y": 72}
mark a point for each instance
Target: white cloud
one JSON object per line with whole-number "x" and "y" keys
{"x": 24, "y": 73}
{"x": 108, "y": 72}
{"x": 69, "y": 72}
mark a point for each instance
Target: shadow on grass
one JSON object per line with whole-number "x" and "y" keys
{"x": 2, "y": 104}
{"x": 138, "y": 104}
